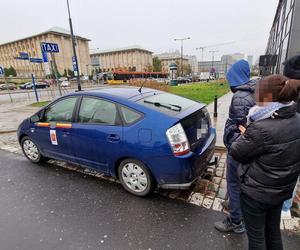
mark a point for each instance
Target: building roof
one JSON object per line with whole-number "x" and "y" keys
{"x": 54, "y": 30}
{"x": 115, "y": 50}
{"x": 171, "y": 56}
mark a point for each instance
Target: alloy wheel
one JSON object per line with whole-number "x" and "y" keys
{"x": 134, "y": 177}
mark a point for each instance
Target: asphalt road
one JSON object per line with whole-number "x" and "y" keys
{"x": 47, "y": 207}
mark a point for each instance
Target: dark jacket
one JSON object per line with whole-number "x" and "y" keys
{"x": 242, "y": 101}
{"x": 270, "y": 155}
{"x": 298, "y": 104}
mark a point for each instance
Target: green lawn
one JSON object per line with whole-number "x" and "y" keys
{"x": 39, "y": 104}
{"x": 201, "y": 92}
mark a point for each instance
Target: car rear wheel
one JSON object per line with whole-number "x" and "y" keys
{"x": 135, "y": 177}
{"x": 31, "y": 150}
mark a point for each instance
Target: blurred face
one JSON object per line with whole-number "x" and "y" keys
{"x": 263, "y": 97}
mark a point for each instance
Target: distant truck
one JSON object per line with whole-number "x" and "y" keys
{"x": 206, "y": 76}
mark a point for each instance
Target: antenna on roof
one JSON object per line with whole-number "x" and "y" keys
{"x": 140, "y": 89}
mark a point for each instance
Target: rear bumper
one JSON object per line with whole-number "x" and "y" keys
{"x": 181, "y": 186}
{"x": 191, "y": 167}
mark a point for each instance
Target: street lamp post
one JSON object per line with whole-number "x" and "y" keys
{"x": 181, "y": 56}
{"x": 213, "y": 57}
{"x": 74, "y": 48}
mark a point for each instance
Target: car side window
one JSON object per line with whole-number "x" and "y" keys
{"x": 61, "y": 111}
{"x": 130, "y": 116}
{"x": 94, "y": 110}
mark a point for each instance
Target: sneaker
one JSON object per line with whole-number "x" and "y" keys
{"x": 286, "y": 215}
{"x": 227, "y": 226}
{"x": 225, "y": 204}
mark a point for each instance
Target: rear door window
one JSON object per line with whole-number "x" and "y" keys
{"x": 95, "y": 110}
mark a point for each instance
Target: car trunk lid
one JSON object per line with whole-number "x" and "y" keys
{"x": 196, "y": 124}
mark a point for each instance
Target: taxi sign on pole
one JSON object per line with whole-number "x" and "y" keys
{"x": 50, "y": 47}
{"x": 75, "y": 68}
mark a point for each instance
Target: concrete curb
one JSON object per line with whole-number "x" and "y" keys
{"x": 8, "y": 131}
{"x": 221, "y": 148}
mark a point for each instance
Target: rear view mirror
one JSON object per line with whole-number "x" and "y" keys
{"x": 34, "y": 118}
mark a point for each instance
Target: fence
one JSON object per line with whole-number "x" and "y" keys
{"x": 50, "y": 93}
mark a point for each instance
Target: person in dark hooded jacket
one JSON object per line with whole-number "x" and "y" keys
{"x": 292, "y": 71}
{"x": 270, "y": 160}
{"x": 238, "y": 78}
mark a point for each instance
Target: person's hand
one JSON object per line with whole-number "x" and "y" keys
{"x": 242, "y": 129}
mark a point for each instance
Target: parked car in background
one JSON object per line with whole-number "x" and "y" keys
{"x": 182, "y": 79}
{"x": 205, "y": 76}
{"x": 145, "y": 137}
{"x": 10, "y": 86}
{"x": 84, "y": 78}
{"x": 63, "y": 79}
{"x": 65, "y": 84}
{"x": 38, "y": 85}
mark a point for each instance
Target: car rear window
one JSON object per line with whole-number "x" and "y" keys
{"x": 167, "y": 103}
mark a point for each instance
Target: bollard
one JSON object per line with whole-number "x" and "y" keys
{"x": 216, "y": 106}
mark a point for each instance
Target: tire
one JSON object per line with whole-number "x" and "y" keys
{"x": 135, "y": 177}
{"x": 31, "y": 150}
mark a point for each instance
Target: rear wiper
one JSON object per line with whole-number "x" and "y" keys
{"x": 165, "y": 105}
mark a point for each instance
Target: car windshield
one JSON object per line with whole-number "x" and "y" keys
{"x": 167, "y": 103}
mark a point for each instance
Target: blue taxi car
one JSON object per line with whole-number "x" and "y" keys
{"x": 146, "y": 138}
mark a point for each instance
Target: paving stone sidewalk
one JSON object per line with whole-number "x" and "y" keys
{"x": 12, "y": 114}
{"x": 219, "y": 121}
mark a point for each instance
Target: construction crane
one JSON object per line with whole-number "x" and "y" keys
{"x": 210, "y": 46}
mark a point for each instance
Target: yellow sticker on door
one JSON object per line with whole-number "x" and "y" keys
{"x": 53, "y": 137}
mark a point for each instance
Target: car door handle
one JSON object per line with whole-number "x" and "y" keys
{"x": 113, "y": 138}
{"x": 65, "y": 133}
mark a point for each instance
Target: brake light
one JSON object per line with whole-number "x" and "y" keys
{"x": 178, "y": 140}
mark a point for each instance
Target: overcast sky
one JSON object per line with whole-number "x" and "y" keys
{"x": 152, "y": 24}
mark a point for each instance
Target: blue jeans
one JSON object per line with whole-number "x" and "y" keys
{"x": 287, "y": 205}
{"x": 233, "y": 189}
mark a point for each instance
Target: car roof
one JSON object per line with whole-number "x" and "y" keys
{"x": 121, "y": 92}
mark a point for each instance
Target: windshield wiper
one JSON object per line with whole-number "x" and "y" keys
{"x": 165, "y": 105}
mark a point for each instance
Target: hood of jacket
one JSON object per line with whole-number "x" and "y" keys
{"x": 239, "y": 73}
{"x": 249, "y": 86}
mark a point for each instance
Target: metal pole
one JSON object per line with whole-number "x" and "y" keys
{"x": 216, "y": 106}
{"x": 213, "y": 57}
{"x": 74, "y": 48}
{"x": 11, "y": 100}
{"x": 34, "y": 87}
{"x": 53, "y": 66}
{"x": 181, "y": 58}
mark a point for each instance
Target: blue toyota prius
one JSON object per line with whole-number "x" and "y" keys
{"x": 146, "y": 138}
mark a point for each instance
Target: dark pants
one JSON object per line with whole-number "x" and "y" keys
{"x": 233, "y": 189}
{"x": 262, "y": 223}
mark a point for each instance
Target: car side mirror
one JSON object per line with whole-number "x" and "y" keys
{"x": 34, "y": 118}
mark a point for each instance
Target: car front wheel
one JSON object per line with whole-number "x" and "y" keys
{"x": 135, "y": 177}
{"x": 31, "y": 150}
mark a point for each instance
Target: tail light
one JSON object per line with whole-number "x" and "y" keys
{"x": 178, "y": 140}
